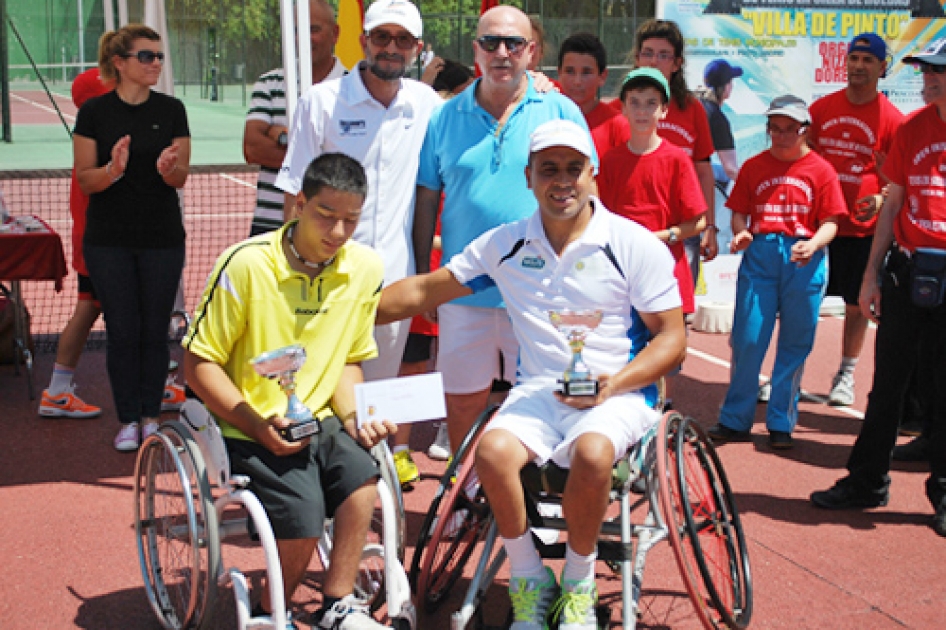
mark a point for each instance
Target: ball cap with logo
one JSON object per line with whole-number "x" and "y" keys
{"x": 870, "y": 43}
{"x": 934, "y": 54}
{"x": 719, "y": 72}
{"x": 400, "y": 12}
{"x": 791, "y": 106}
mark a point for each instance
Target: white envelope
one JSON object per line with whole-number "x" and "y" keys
{"x": 401, "y": 400}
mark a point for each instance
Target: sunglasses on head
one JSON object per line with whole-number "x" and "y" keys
{"x": 146, "y": 56}
{"x": 381, "y": 39}
{"x": 927, "y": 68}
{"x": 514, "y": 45}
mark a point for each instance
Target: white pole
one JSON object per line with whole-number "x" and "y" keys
{"x": 289, "y": 56}
{"x": 81, "y": 19}
{"x": 122, "y": 12}
{"x": 305, "y": 48}
{"x": 109, "y": 15}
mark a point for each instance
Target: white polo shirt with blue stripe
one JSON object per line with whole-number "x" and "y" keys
{"x": 480, "y": 166}
{"x": 616, "y": 266}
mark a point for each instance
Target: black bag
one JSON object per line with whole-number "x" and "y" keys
{"x": 7, "y": 329}
{"x": 928, "y": 281}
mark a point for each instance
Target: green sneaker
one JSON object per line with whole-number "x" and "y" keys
{"x": 531, "y": 600}
{"x": 407, "y": 472}
{"x": 576, "y": 606}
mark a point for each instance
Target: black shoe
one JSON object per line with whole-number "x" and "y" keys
{"x": 911, "y": 428}
{"x": 845, "y": 495}
{"x": 939, "y": 521}
{"x": 916, "y": 450}
{"x": 720, "y": 433}
{"x": 781, "y": 440}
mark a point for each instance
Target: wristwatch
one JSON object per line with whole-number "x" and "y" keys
{"x": 283, "y": 139}
{"x": 673, "y": 238}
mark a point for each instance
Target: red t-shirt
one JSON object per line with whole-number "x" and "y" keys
{"x": 609, "y": 128}
{"x": 657, "y": 190}
{"x": 847, "y": 135}
{"x": 85, "y": 86}
{"x": 917, "y": 161}
{"x": 790, "y": 198}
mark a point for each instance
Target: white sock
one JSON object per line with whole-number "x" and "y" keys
{"x": 524, "y": 560}
{"x": 847, "y": 365}
{"x": 578, "y": 567}
{"x": 400, "y": 447}
{"x": 61, "y": 380}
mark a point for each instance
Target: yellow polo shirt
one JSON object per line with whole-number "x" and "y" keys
{"x": 255, "y": 302}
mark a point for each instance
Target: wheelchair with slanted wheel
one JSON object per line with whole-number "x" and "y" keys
{"x": 179, "y": 528}
{"x": 674, "y": 469}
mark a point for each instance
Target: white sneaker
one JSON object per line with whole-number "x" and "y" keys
{"x": 842, "y": 390}
{"x": 148, "y": 429}
{"x": 440, "y": 449}
{"x": 127, "y": 439}
{"x": 347, "y": 614}
{"x": 548, "y": 536}
{"x": 765, "y": 392}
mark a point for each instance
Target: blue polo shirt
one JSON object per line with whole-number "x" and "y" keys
{"x": 482, "y": 172}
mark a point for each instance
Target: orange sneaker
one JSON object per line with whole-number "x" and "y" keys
{"x": 173, "y": 397}
{"x": 66, "y": 405}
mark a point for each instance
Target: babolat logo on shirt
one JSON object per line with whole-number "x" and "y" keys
{"x": 353, "y": 127}
{"x": 310, "y": 311}
{"x": 532, "y": 262}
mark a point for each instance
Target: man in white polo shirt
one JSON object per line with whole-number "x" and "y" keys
{"x": 378, "y": 117}
{"x": 570, "y": 254}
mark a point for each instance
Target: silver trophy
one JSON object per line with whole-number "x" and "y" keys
{"x": 575, "y": 325}
{"x": 282, "y": 364}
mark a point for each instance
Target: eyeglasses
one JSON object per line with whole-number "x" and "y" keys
{"x": 927, "y": 68}
{"x": 792, "y": 131}
{"x": 381, "y": 39}
{"x": 146, "y": 57}
{"x": 663, "y": 55}
{"x": 514, "y": 45}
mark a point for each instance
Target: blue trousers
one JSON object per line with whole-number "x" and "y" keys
{"x": 769, "y": 285}
{"x": 136, "y": 288}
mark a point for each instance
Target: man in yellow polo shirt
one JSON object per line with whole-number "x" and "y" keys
{"x": 305, "y": 284}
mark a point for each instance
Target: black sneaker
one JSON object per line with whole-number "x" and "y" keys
{"x": 916, "y": 450}
{"x": 911, "y": 428}
{"x": 781, "y": 440}
{"x": 720, "y": 433}
{"x": 845, "y": 495}
{"x": 939, "y": 521}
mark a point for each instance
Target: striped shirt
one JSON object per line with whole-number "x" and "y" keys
{"x": 268, "y": 104}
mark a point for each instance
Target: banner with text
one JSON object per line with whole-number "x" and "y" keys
{"x": 799, "y": 47}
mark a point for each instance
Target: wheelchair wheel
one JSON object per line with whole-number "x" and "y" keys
{"x": 176, "y": 528}
{"x": 462, "y": 523}
{"x": 446, "y": 482}
{"x": 704, "y": 527}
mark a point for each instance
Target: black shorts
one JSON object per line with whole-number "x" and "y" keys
{"x": 418, "y": 348}
{"x": 86, "y": 289}
{"x": 300, "y": 491}
{"x": 847, "y": 260}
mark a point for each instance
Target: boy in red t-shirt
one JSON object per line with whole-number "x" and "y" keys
{"x": 582, "y": 72}
{"x": 650, "y": 180}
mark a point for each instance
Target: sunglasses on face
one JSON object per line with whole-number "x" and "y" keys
{"x": 514, "y": 45}
{"x": 926, "y": 68}
{"x": 381, "y": 39}
{"x": 146, "y": 56}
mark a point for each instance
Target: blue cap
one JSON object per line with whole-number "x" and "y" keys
{"x": 719, "y": 72}
{"x": 869, "y": 43}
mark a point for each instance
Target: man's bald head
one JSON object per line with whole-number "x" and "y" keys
{"x": 510, "y": 19}
{"x": 323, "y": 34}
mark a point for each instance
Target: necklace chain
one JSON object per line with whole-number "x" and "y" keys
{"x": 310, "y": 265}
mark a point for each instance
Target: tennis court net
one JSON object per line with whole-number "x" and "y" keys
{"x": 218, "y": 210}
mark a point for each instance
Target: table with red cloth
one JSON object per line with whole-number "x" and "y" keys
{"x": 29, "y": 250}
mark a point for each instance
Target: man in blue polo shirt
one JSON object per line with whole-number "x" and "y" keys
{"x": 475, "y": 152}
{"x": 570, "y": 254}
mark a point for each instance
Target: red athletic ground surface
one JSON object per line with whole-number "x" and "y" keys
{"x": 68, "y": 559}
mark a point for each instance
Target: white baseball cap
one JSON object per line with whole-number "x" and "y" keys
{"x": 400, "y": 12}
{"x": 561, "y": 133}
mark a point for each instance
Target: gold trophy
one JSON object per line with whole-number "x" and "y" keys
{"x": 575, "y": 325}
{"x": 282, "y": 364}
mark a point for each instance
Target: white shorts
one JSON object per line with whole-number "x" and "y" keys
{"x": 391, "y": 339}
{"x": 547, "y": 427}
{"x": 476, "y": 346}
